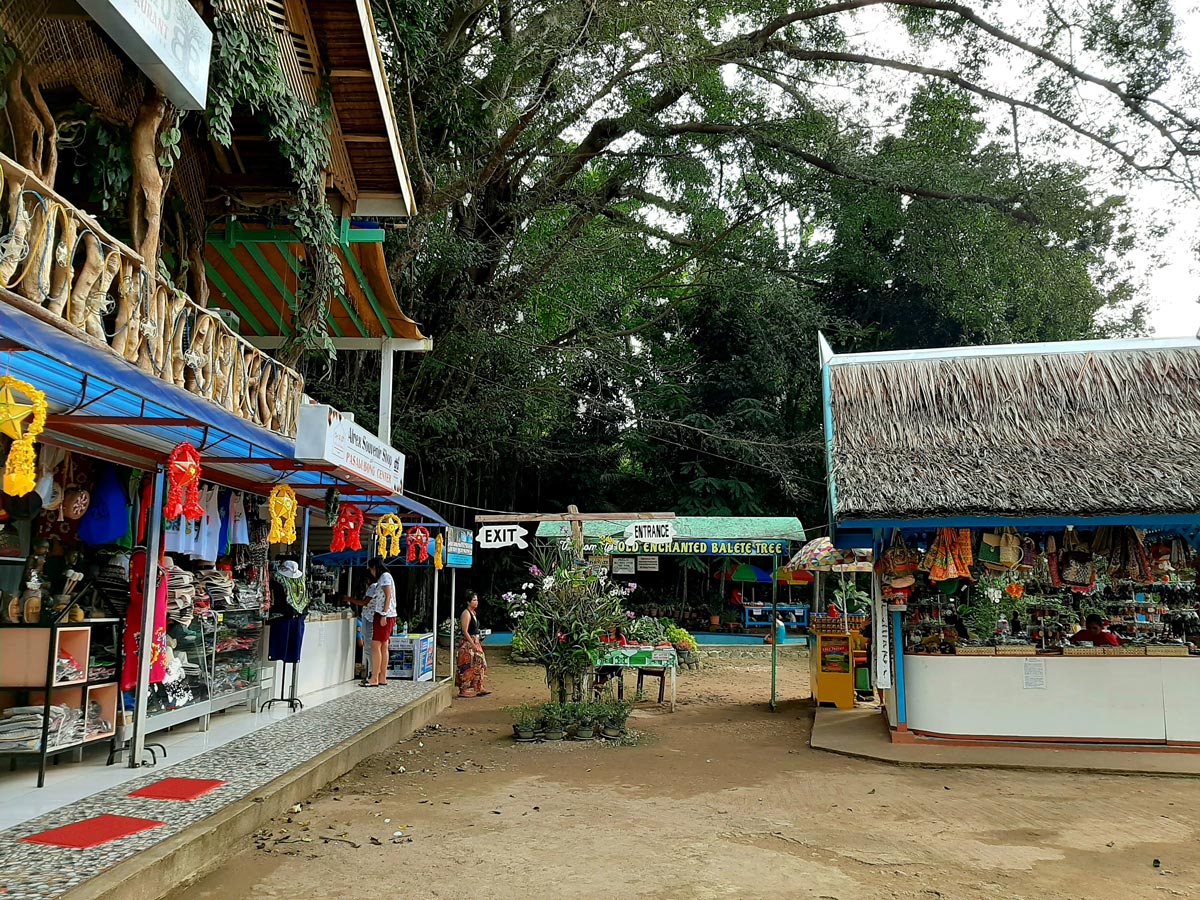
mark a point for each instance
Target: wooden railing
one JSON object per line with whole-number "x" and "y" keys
{"x": 87, "y": 282}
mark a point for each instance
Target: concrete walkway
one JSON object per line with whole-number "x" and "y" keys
{"x": 862, "y": 733}
{"x": 264, "y": 772}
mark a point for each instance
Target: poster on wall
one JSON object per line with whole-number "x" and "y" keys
{"x": 624, "y": 565}
{"x": 881, "y": 643}
{"x": 460, "y": 548}
{"x": 647, "y": 563}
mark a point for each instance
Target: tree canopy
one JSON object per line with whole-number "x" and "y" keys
{"x": 635, "y": 216}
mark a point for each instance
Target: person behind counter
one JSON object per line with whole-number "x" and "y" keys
{"x": 1093, "y": 630}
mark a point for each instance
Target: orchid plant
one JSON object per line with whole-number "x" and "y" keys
{"x": 561, "y": 615}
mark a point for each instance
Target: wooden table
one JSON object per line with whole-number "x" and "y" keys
{"x": 634, "y": 657}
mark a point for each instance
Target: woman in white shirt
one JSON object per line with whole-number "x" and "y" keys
{"x": 380, "y": 610}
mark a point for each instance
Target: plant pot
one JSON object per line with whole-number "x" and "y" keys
{"x": 524, "y": 734}
{"x": 611, "y": 731}
{"x": 556, "y": 734}
{"x": 714, "y": 620}
{"x": 585, "y": 732}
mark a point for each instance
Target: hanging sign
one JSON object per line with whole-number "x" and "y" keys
{"x": 624, "y": 565}
{"x": 599, "y": 564}
{"x": 691, "y": 547}
{"x": 460, "y": 548}
{"x": 650, "y": 532}
{"x": 491, "y": 536}
{"x": 647, "y": 563}
{"x": 881, "y": 637}
{"x": 166, "y": 39}
{"x": 326, "y": 437}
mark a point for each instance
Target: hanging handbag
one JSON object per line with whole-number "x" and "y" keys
{"x": 898, "y": 559}
{"x": 1010, "y": 549}
{"x": 1075, "y": 565}
{"x": 10, "y": 543}
{"x": 989, "y": 550}
{"x": 1029, "y": 555}
{"x": 76, "y": 498}
{"x": 1052, "y": 562}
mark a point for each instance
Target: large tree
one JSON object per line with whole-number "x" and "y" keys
{"x": 633, "y": 217}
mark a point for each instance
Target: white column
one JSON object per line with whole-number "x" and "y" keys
{"x": 435, "y": 621}
{"x": 387, "y": 356}
{"x": 453, "y": 618}
{"x": 141, "y": 696}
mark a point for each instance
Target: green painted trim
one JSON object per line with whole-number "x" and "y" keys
{"x": 279, "y": 285}
{"x": 294, "y": 264}
{"x": 362, "y": 280}
{"x": 233, "y": 300}
{"x": 240, "y": 271}
{"x": 234, "y": 234}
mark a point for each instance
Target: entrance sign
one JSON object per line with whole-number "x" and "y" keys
{"x": 647, "y": 563}
{"x": 624, "y": 565}
{"x": 491, "y": 536}
{"x": 654, "y": 533}
{"x": 325, "y": 436}
{"x": 166, "y": 39}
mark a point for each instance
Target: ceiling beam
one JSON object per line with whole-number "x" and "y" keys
{"x": 354, "y": 343}
{"x": 350, "y": 73}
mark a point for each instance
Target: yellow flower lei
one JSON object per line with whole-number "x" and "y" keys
{"x": 283, "y": 506}
{"x": 388, "y": 529}
{"x": 438, "y": 555}
{"x": 20, "y": 469}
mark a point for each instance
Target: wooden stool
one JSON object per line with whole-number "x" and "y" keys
{"x": 660, "y": 674}
{"x": 598, "y": 687}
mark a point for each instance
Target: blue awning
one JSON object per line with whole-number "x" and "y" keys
{"x": 109, "y": 408}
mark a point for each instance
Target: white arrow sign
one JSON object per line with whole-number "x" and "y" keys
{"x": 651, "y": 532}
{"x": 492, "y": 536}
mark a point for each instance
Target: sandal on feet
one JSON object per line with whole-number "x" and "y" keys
{"x": 483, "y": 693}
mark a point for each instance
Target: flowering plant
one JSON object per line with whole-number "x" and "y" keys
{"x": 561, "y": 616}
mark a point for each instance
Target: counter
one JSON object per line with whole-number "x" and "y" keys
{"x": 1138, "y": 699}
{"x": 327, "y": 654}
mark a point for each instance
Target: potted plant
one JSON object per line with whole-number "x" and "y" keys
{"x": 716, "y": 606}
{"x": 526, "y": 720}
{"x": 585, "y": 721}
{"x": 556, "y": 718}
{"x": 614, "y": 715}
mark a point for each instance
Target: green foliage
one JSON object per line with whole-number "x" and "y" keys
{"x": 246, "y": 76}
{"x": 681, "y": 638}
{"x": 526, "y": 716}
{"x": 103, "y": 161}
{"x": 648, "y": 630}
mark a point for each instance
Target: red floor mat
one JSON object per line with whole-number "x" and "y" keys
{"x": 177, "y": 789}
{"x": 92, "y": 832}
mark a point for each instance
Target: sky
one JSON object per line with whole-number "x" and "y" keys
{"x": 1174, "y": 287}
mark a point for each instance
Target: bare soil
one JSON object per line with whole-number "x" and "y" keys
{"x": 722, "y": 799}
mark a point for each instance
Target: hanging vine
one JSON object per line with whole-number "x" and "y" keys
{"x": 245, "y": 74}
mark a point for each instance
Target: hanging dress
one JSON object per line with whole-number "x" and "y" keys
{"x": 133, "y": 625}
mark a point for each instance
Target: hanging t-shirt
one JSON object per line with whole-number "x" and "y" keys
{"x": 208, "y": 530}
{"x": 239, "y": 529}
{"x": 224, "y": 502}
{"x": 173, "y": 537}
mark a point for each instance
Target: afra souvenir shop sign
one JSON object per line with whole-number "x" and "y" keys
{"x": 325, "y": 436}
{"x": 166, "y": 39}
{"x": 491, "y": 536}
{"x": 652, "y": 532}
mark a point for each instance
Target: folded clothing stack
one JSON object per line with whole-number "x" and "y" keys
{"x": 67, "y": 669}
{"x": 181, "y": 595}
{"x": 21, "y": 727}
{"x": 219, "y": 586}
{"x": 247, "y": 596}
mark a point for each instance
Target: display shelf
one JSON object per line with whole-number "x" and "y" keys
{"x": 170, "y": 718}
{"x": 11, "y": 560}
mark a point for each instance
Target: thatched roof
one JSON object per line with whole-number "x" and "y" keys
{"x": 1096, "y": 428}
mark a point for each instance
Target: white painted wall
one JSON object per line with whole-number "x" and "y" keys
{"x": 1132, "y": 698}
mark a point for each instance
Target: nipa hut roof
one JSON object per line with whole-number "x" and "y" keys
{"x": 1089, "y": 428}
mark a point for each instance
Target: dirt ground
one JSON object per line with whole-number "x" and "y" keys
{"x": 722, "y": 799}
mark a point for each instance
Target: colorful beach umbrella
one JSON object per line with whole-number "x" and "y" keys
{"x": 746, "y": 574}
{"x": 819, "y": 555}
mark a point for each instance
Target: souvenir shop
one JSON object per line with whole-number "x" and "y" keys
{"x": 106, "y": 468}
{"x": 1037, "y": 567}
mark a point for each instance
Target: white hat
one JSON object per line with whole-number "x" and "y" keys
{"x": 290, "y": 570}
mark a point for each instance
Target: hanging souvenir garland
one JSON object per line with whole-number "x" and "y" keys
{"x": 347, "y": 529}
{"x": 183, "y": 483}
{"x": 418, "y": 544}
{"x": 388, "y": 530}
{"x": 333, "y": 502}
{"x": 282, "y": 504}
{"x": 20, "y": 469}
{"x": 439, "y": 549}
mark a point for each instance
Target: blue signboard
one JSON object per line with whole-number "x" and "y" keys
{"x": 460, "y": 548}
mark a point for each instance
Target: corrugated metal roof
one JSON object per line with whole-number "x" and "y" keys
{"x": 761, "y": 528}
